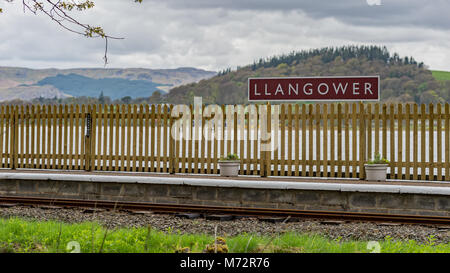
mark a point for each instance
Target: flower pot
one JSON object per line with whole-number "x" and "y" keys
{"x": 229, "y": 167}
{"x": 376, "y": 172}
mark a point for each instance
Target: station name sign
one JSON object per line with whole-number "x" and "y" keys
{"x": 357, "y": 88}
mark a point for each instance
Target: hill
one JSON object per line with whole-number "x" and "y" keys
{"x": 402, "y": 79}
{"x": 115, "y": 88}
{"x": 26, "y": 84}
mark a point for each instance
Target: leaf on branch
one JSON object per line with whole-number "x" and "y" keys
{"x": 38, "y": 6}
{"x": 90, "y": 31}
{"x": 80, "y": 6}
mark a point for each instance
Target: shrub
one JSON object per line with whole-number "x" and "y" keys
{"x": 230, "y": 157}
{"x": 378, "y": 160}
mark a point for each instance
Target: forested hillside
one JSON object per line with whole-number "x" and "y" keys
{"x": 403, "y": 79}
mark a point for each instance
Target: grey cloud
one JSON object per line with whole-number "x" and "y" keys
{"x": 218, "y": 34}
{"x": 431, "y": 14}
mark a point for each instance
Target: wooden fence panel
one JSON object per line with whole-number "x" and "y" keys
{"x": 332, "y": 140}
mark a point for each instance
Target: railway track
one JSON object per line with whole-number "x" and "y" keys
{"x": 221, "y": 210}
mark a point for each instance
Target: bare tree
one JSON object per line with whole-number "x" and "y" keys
{"x": 61, "y": 12}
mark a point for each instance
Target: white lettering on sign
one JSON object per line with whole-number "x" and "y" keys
{"x": 256, "y": 90}
{"x": 309, "y": 91}
{"x": 324, "y": 92}
{"x": 355, "y": 88}
{"x": 265, "y": 92}
{"x": 368, "y": 87}
{"x": 279, "y": 89}
{"x": 292, "y": 88}
{"x": 340, "y": 88}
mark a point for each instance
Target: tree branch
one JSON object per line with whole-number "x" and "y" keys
{"x": 58, "y": 11}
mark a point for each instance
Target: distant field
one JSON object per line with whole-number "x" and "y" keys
{"x": 441, "y": 75}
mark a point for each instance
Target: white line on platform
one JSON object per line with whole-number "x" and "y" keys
{"x": 207, "y": 182}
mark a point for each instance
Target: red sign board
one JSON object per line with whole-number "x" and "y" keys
{"x": 357, "y": 88}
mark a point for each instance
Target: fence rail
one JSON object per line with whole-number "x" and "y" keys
{"x": 320, "y": 140}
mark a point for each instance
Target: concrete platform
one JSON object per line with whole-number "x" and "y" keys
{"x": 395, "y": 197}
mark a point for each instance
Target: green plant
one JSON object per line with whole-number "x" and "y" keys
{"x": 219, "y": 246}
{"x": 230, "y": 157}
{"x": 20, "y": 235}
{"x": 378, "y": 160}
{"x": 182, "y": 250}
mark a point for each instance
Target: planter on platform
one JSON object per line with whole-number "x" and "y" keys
{"x": 229, "y": 166}
{"x": 376, "y": 172}
{"x": 376, "y": 169}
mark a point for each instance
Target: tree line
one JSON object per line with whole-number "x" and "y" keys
{"x": 403, "y": 79}
{"x": 155, "y": 98}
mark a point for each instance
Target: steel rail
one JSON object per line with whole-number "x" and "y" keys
{"x": 236, "y": 211}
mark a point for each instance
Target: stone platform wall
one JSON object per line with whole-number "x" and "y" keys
{"x": 164, "y": 193}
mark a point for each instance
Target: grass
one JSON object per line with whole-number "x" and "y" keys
{"x": 17, "y": 235}
{"x": 441, "y": 75}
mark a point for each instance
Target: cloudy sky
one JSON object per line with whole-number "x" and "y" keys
{"x": 216, "y": 34}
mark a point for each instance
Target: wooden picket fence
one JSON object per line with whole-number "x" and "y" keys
{"x": 312, "y": 140}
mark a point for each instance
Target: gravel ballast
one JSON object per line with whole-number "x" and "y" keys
{"x": 169, "y": 222}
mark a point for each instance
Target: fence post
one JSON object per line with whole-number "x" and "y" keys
{"x": 264, "y": 154}
{"x": 363, "y": 141}
{"x": 87, "y": 139}
{"x": 171, "y": 142}
{"x": 268, "y": 169}
{"x": 14, "y": 131}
